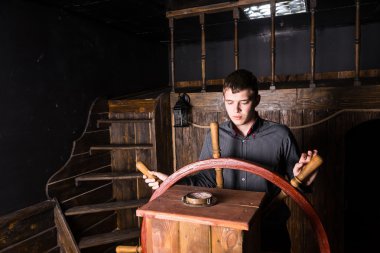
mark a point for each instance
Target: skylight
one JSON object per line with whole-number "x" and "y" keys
{"x": 282, "y": 8}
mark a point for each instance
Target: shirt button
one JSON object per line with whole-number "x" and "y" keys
{"x": 243, "y": 179}
{"x": 243, "y": 141}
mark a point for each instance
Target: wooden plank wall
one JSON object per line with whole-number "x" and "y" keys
{"x": 297, "y": 107}
{"x": 164, "y": 134}
{"x": 30, "y": 230}
{"x": 61, "y": 185}
{"x": 125, "y": 160}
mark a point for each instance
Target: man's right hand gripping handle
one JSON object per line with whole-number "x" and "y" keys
{"x": 152, "y": 178}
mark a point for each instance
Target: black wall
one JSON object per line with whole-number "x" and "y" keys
{"x": 361, "y": 214}
{"x": 52, "y": 66}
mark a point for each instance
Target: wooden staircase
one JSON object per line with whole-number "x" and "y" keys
{"x": 99, "y": 188}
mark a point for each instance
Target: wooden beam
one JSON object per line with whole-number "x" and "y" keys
{"x": 334, "y": 98}
{"x": 203, "y": 51}
{"x": 212, "y": 8}
{"x": 236, "y": 37}
{"x": 339, "y": 75}
{"x": 312, "y": 43}
{"x": 357, "y": 44}
{"x": 132, "y": 105}
{"x": 273, "y": 43}
{"x": 171, "y": 27}
{"x": 66, "y": 238}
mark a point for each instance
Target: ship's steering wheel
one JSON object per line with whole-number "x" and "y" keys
{"x": 237, "y": 164}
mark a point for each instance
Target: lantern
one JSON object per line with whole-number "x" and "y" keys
{"x": 181, "y": 111}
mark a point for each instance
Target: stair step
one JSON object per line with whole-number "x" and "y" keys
{"x": 132, "y": 105}
{"x": 103, "y": 207}
{"x": 110, "y": 121}
{"x": 108, "y": 176}
{"x": 120, "y": 147}
{"x": 115, "y": 236}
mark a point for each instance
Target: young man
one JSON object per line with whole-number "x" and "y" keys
{"x": 249, "y": 137}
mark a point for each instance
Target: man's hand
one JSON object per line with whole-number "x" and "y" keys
{"x": 305, "y": 159}
{"x": 155, "y": 183}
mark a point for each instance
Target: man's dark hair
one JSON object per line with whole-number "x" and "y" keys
{"x": 241, "y": 79}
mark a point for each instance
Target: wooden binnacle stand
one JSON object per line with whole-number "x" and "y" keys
{"x": 229, "y": 225}
{"x": 174, "y": 226}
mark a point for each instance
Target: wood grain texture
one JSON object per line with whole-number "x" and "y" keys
{"x": 302, "y": 98}
{"x": 115, "y": 236}
{"x": 104, "y": 221}
{"x": 42, "y": 242}
{"x": 132, "y": 105}
{"x": 138, "y": 123}
{"x": 124, "y": 160}
{"x": 65, "y": 239}
{"x": 25, "y": 224}
{"x": 323, "y": 78}
{"x": 108, "y": 176}
{"x": 105, "y": 207}
{"x": 194, "y": 238}
{"x": 164, "y": 236}
{"x": 227, "y": 240}
{"x": 235, "y": 209}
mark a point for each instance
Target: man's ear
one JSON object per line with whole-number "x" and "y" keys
{"x": 257, "y": 100}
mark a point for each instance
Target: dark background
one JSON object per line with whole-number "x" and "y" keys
{"x": 52, "y": 66}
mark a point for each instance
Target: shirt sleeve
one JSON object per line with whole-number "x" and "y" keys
{"x": 292, "y": 156}
{"x": 291, "y": 153}
{"x": 206, "y": 152}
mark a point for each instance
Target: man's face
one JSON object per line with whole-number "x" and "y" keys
{"x": 240, "y": 106}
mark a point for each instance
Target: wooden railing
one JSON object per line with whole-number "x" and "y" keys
{"x": 323, "y": 78}
{"x": 234, "y": 7}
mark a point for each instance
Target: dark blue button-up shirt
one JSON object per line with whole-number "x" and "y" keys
{"x": 269, "y": 144}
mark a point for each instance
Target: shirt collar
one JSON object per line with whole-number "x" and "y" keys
{"x": 251, "y": 131}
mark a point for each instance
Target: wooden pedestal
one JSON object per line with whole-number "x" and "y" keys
{"x": 231, "y": 225}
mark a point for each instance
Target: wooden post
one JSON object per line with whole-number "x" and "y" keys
{"x": 171, "y": 26}
{"x": 214, "y": 126}
{"x": 357, "y": 44}
{"x": 273, "y": 42}
{"x": 236, "y": 39}
{"x": 312, "y": 44}
{"x": 203, "y": 54}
